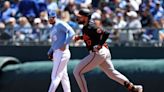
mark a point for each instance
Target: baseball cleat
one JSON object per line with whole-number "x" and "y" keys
{"x": 137, "y": 88}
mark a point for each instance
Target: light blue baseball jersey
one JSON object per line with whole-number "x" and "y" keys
{"x": 60, "y": 33}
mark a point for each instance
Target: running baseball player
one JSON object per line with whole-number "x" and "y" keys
{"x": 61, "y": 34}
{"x": 95, "y": 39}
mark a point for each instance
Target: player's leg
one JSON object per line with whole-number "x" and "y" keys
{"x": 57, "y": 71}
{"x": 108, "y": 68}
{"x": 111, "y": 72}
{"x": 54, "y": 79}
{"x": 85, "y": 65}
{"x": 65, "y": 81}
{"x": 65, "y": 78}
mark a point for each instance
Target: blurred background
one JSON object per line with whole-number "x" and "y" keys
{"x": 136, "y": 43}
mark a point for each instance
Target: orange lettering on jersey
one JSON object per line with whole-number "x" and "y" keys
{"x": 87, "y": 39}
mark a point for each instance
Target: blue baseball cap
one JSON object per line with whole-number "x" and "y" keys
{"x": 52, "y": 13}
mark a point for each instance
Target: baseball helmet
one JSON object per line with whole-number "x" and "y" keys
{"x": 85, "y": 12}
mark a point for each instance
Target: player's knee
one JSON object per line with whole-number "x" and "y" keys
{"x": 75, "y": 73}
{"x": 111, "y": 71}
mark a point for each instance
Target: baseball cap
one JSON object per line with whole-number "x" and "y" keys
{"x": 107, "y": 10}
{"x": 84, "y": 12}
{"x": 132, "y": 14}
{"x": 120, "y": 14}
{"x": 37, "y": 20}
{"x": 52, "y": 13}
{"x": 96, "y": 16}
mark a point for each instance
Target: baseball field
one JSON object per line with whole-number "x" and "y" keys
{"x": 35, "y": 76}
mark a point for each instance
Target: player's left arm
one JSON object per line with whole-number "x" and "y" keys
{"x": 103, "y": 38}
{"x": 69, "y": 34}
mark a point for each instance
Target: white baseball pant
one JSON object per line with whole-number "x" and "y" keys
{"x": 59, "y": 71}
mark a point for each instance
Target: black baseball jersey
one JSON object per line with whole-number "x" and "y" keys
{"x": 92, "y": 35}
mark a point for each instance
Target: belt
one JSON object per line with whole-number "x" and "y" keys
{"x": 91, "y": 51}
{"x": 105, "y": 45}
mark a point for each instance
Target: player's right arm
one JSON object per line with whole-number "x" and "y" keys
{"x": 77, "y": 37}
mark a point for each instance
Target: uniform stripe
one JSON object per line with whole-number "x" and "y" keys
{"x": 84, "y": 68}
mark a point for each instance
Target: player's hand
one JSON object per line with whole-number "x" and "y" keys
{"x": 96, "y": 48}
{"x": 50, "y": 56}
{"x": 76, "y": 38}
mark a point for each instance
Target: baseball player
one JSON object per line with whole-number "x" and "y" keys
{"x": 95, "y": 39}
{"x": 61, "y": 34}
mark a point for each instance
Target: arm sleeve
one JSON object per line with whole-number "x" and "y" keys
{"x": 69, "y": 32}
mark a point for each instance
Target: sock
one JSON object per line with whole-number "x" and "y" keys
{"x": 129, "y": 85}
